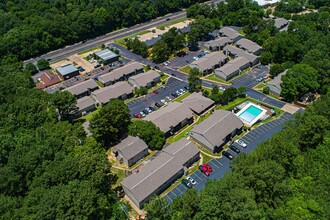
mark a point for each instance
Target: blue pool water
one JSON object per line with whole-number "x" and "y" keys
{"x": 250, "y": 113}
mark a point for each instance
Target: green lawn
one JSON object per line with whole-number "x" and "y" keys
{"x": 121, "y": 41}
{"x": 120, "y": 174}
{"x": 259, "y": 86}
{"x": 205, "y": 157}
{"x": 232, "y": 104}
{"x": 185, "y": 69}
{"x": 90, "y": 115}
{"x": 214, "y": 78}
{"x": 147, "y": 157}
{"x": 171, "y": 23}
{"x": 88, "y": 50}
{"x": 241, "y": 32}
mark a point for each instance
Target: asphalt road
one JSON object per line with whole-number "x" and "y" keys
{"x": 222, "y": 165}
{"x": 139, "y": 104}
{"x": 78, "y": 47}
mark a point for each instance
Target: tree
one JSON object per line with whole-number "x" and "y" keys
{"x": 301, "y": 78}
{"x": 241, "y": 92}
{"x": 195, "y": 84}
{"x": 111, "y": 122}
{"x": 160, "y": 52}
{"x": 148, "y": 132}
{"x": 266, "y": 90}
{"x": 141, "y": 91}
{"x": 43, "y": 64}
{"x": 31, "y": 69}
{"x": 65, "y": 104}
{"x": 178, "y": 43}
{"x": 276, "y": 69}
{"x": 265, "y": 58}
{"x": 215, "y": 89}
{"x": 157, "y": 208}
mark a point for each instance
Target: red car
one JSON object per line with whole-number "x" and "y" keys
{"x": 137, "y": 115}
{"x": 204, "y": 170}
{"x": 155, "y": 91}
{"x": 208, "y": 167}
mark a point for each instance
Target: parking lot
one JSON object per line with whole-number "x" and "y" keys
{"x": 249, "y": 79}
{"x": 178, "y": 62}
{"x": 150, "y": 99}
{"x": 222, "y": 165}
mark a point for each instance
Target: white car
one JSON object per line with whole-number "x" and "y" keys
{"x": 241, "y": 143}
{"x": 142, "y": 114}
{"x": 165, "y": 63}
{"x": 149, "y": 110}
{"x": 191, "y": 180}
{"x": 164, "y": 102}
{"x": 222, "y": 88}
{"x": 182, "y": 91}
{"x": 168, "y": 98}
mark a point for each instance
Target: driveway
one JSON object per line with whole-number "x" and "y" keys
{"x": 249, "y": 79}
{"x": 222, "y": 165}
{"x": 140, "y": 104}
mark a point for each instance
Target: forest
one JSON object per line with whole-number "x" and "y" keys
{"x": 32, "y": 27}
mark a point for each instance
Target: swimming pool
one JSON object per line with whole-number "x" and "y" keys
{"x": 251, "y": 113}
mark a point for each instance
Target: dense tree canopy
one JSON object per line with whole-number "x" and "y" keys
{"x": 195, "y": 83}
{"x": 48, "y": 168}
{"x": 31, "y": 27}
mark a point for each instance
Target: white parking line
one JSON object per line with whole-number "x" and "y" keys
{"x": 198, "y": 177}
{"x": 211, "y": 162}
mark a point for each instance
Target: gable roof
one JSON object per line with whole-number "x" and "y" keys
{"x": 218, "y": 126}
{"x": 152, "y": 41}
{"x": 66, "y": 69}
{"x": 144, "y": 78}
{"x": 47, "y": 79}
{"x": 280, "y": 22}
{"x": 277, "y": 81}
{"x": 82, "y": 87}
{"x": 159, "y": 170}
{"x": 169, "y": 116}
{"x": 197, "y": 102}
{"x": 248, "y": 45}
{"x": 120, "y": 72}
{"x": 240, "y": 53}
{"x": 85, "y": 102}
{"x": 233, "y": 65}
{"x": 105, "y": 94}
{"x": 229, "y": 32}
{"x": 131, "y": 146}
{"x": 210, "y": 60}
{"x": 220, "y": 42}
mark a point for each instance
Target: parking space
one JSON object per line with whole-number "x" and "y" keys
{"x": 250, "y": 78}
{"x": 178, "y": 62}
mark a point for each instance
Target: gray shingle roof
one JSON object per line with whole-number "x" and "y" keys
{"x": 229, "y": 32}
{"x": 277, "y": 81}
{"x": 85, "y": 102}
{"x": 170, "y": 116}
{"x": 120, "y": 72}
{"x": 144, "y": 78}
{"x": 210, "y": 60}
{"x": 218, "y": 126}
{"x": 106, "y": 54}
{"x": 152, "y": 41}
{"x": 219, "y": 42}
{"x": 280, "y": 22}
{"x": 131, "y": 146}
{"x": 82, "y": 87}
{"x": 248, "y": 45}
{"x": 197, "y": 102}
{"x": 159, "y": 170}
{"x": 66, "y": 69}
{"x": 240, "y": 53}
{"x": 233, "y": 65}
{"x": 110, "y": 92}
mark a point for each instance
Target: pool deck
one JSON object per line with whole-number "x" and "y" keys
{"x": 256, "y": 118}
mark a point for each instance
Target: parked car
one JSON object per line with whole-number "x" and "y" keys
{"x": 241, "y": 143}
{"x": 222, "y": 88}
{"x": 157, "y": 105}
{"x": 155, "y": 91}
{"x": 178, "y": 93}
{"x": 235, "y": 149}
{"x": 152, "y": 108}
{"x": 163, "y": 87}
{"x": 208, "y": 167}
{"x": 228, "y": 155}
{"x": 204, "y": 170}
{"x": 182, "y": 91}
{"x": 137, "y": 115}
{"x": 174, "y": 95}
{"x": 148, "y": 110}
{"x": 164, "y": 102}
{"x": 191, "y": 180}
{"x": 142, "y": 114}
{"x": 169, "y": 98}
{"x": 145, "y": 112}
{"x": 165, "y": 63}
{"x": 187, "y": 183}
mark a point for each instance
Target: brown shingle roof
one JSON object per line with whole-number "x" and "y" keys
{"x": 82, "y": 87}
{"x": 131, "y": 146}
{"x": 197, "y": 102}
{"x": 144, "y": 78}
{"x": 47, "y": 79}
{"x": 120, "y": 72}
{"x": 114, "y": 91}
